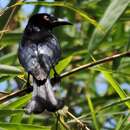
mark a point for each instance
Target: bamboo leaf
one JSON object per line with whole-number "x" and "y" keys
{"x": 10, "y": 39}
{"x": 8, "y": 112}
{"x": 17, "y": 118}
{"x": 5, "y": 77}
{"x": 127, "y": 127}
{"x": 30, "y": 119}
{"x": 8, "y": 58}
{"x": 119, "y": 123}
{"x": 92, "y": 112}
{"x": 116, "y": 87}
{"x": 115, "y": 103}
{"x": 6, "y": 69}
{"x": 20, "y": 102}
{"x": 62, "y": 65}
{"x": 62, "y": 4}
{"x": 111, "y": 15}
{"x": 18, "y": 126}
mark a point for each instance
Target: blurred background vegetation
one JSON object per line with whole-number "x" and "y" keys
{"x": 96, "y": 96}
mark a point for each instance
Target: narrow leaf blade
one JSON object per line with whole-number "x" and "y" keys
{"x": 112, "y": 14}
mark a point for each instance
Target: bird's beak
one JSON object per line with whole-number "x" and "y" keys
{"x": 60, "y": 21}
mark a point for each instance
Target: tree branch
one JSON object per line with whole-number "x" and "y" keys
{"x": 84, "y": 127}
{"x": 16, "y": 94}
{"x": 82, "y": 67}
{"x": 101, "y": 61}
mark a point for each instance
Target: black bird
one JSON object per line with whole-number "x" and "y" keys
{"x": 38, "y": 52}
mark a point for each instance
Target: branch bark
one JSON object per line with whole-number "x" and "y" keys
{"x": 101, "y": 61}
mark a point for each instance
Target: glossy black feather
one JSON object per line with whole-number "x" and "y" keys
{"x": 38, "y": 52}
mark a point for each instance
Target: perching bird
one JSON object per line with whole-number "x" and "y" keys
{"x": 38, "y": 52}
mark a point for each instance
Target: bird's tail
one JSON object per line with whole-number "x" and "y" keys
{"x": 43, "y": 98}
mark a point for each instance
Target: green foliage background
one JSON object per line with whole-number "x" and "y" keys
{"x": 98, "y": 96}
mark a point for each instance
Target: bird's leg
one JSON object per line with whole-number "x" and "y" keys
{"x": 56, "y": 76}
{"x": 29, "y": 87}
{"x": 55, "y": 73}
{"x": 53, "y": 67}
{"x": 28, "y": 78}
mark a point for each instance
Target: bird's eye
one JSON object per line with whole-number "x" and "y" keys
{"x": 46, "y": 18}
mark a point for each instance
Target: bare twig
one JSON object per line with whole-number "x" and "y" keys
{"x": 6, "y": 25}
{"x": 15, "y": 94}
{"x": 64, "y": 112}
{"x": 85, "y": 66}
{"x": 82, "y": 67}
{"x": 62, "y": 122}
{"x": 84, "y": 127}
{"x": 5, "y": 28}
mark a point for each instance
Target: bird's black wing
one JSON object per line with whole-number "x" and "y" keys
{"x": 28, "y": 57}
{"x": 49, "y": 52}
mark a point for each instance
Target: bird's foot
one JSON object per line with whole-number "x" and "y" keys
{"x": 55, "y": 79}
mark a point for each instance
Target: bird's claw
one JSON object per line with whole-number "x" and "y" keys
{"x": 55, "y": 79}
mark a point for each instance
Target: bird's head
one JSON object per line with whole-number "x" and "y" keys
{"x": 47, "y": 21}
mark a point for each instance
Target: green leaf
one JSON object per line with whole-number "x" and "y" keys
{"x": 115, "y": 103}
{"x": 116, "y": 86}
{"x": 18, "y": 126}
{"x": 62, "y": 4}
{"x": 17, "y": 118}
{"x": 92, "y": 112}
{"x": 127, "y": 127}
{"x": 30, "y": 119}
{"x": 5, "y": 77}
{"x": 62, "y": 65}
{"x": 119, "y": 123}
{"x": 8, "y": 58}
{"x": 9, "y": 14}
{"x": 20, "y": 102}
{"x": 111, "y": 15}
{"x": 10, "y": 39}
{"x": 6, "y": 69}
{"x": 8, "y": 112}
